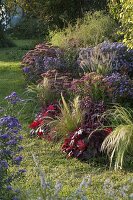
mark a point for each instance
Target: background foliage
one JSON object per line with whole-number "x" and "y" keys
{"x": 58, "y": 12}
{"x": 123, "y": 12}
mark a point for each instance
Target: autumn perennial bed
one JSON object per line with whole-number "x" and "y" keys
{"x": 77, "y": 110}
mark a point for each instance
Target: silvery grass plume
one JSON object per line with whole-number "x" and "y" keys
{"x": 58, "y": 187}
{"x": 42, "y": 91}
{"x": 49, "y": 191}
{"x": 80, "y": 192}
{"x": 41, "y": 174}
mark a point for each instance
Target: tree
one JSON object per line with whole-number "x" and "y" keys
{"x": 2, "y": 36}
{"x": 122, "y": 10}
{"x": 4, "y": 41}
{"x": 57, "y": 12}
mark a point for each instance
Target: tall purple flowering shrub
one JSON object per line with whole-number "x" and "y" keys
{"x": 10, "y": 148}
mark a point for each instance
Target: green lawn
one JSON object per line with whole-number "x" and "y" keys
{"x": 69, "y": 171}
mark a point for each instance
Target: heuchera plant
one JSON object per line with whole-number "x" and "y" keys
{"x": 86, "y": 142}
{"x": 10, "y": 149}
{"x": 40, "y": 127}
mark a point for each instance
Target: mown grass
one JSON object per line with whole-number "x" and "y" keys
{"x": 69, "y": 171}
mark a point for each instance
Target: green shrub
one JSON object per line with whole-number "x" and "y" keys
{"x": 29, "y": 28}
{"x": 123, "y": 12}
{"x": 91, "y": 30}
{"x": 4, "y": 40}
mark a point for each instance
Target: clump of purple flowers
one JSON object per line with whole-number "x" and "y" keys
{"x": 50, "y": 62}
{"x": 10, "y": 149}
{"x": 41, "y": 59}
{"x": 115, "y": 55}
{"x": 26, "y": 70}
{"x": 13, "y": 98}
{"x": 120, "y": 87}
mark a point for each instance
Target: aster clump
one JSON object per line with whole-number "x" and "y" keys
{"x": 13, "y": 98}
{"x": 9, "y": 153}
{"x": 119, "y": 87}
{"x": 106, "y": 58}
{"x": 10, "y": 148}
{"x": 42, "y": 58}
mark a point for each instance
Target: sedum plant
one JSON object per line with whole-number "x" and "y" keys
{"x": 70, "y": 117}
{"x": 119, "y": 141}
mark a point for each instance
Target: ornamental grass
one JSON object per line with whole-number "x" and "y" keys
{"x": 119, "y": 142}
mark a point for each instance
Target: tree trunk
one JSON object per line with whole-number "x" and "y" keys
{"x": 4, "y": 42}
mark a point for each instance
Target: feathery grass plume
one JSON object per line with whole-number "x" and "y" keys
{"x": 42, "y": 91}
{"x": 118, "y": 142}
{"x": 70, "y": 117}
{"x": 99, "y": 62}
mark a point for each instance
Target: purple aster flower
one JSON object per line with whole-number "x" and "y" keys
{"x": 4, "y": 136}
{"x": 20, "y": 137}
{"x": 6, "y": 152}
{"x": 15, "y": 198}
{"x": 26, "y": 70}
{"x": 12, "y": 142}
{"x": 21, "y": 171}
{"x": 13, "y": 98}
{"x": 9, "y": 187}
{"x": 20, "y": 148}
{"x": 17, "y": 160}
{"x": 10, "y": 122}
{"x": 3, "y": 163}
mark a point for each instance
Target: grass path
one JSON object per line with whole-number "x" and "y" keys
{"x": 52, "y": 161}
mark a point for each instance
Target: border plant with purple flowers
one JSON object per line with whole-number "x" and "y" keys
{"x": 107, "y": 57}
{"x": 10, "y": 148}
